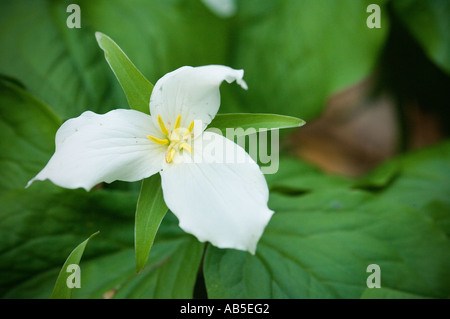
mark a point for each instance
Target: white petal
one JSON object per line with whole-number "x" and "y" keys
{"x": 223, "y": 8}
{"x": 95, "y": 148}
{"x": 192, "y": 92}
{"x": 220, "y": 202}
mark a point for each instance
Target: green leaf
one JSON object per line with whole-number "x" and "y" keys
{"x": 150, "y": 211}
{"x": 60, "y": 67}
{"x": 61, "y": 289}
{"x": 320, "y": 240}
{"x": 424, "y": 178}
{"x": 65, "y": 68}
{"x": 253, "y": 122}
{"x": 31, "y": 257}
{"x": 319, "y": 246}
{"x": 136, "y": 87}
{"x": 380, "y": 177}
{"x": 306, "y": 51}
{"x": 295, "y": 177}
{"x": 171, "y": 272}
{"x": 429, "y": 22}
{"x": 27, "y": 129}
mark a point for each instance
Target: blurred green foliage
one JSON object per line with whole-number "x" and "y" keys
{"x": 319, "y": 244}
{"x": 295, "y": 53}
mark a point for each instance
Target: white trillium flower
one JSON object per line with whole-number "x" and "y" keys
{"x": 223, "y": 202}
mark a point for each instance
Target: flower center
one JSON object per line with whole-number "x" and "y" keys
{"x": 177, "y": 140}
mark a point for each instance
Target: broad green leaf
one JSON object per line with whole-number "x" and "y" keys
{"x": 424, "y": 178}
{"x": 60, "y": 66}
{"x": 136, "y": 87}
{"x": 65, "y": 68}
{"x": 320, "y": 241}
{"x": 27, "y": 129}
{"x": 429, "y": 22}
{"x": 424, "y": 184}
{"x": 294, "y": 176}
{"x": 150, "y": 211}
{"x": 61, "y": 289}
{"x": 380, "y": 177}
{"x": 171, "y": 271}
{"x": 296, "y": 53}
{"x": 40, "y": 225}
{"x": 31, "y": 256}
{"x": 320, "y": 244}
{"x": 251, "y": 123}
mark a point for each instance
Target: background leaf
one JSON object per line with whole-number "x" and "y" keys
{"x": 27, "y": 129}
{"x": 31, "y": 257}
{"x": 429, "y": 24}
{"x": 297, "y": 177}
{"x": 297, "y": 52}
{"x": 65, "y": 68}
{"x": 318, "y": 244}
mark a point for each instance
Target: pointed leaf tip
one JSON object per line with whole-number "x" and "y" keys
{"x": 136, "y": 87}
{"x": 61, "y": 289}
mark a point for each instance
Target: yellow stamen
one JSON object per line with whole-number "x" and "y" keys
{"x": 158, "y": 140}
{"x": 169, "y": 155}
{"x": 174, "y": 139}
{"x": 190, "y": 128}
{"x": 162, "y": 126}
{"x": 177, "y": 122}
{"x": 186, "y": 146}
